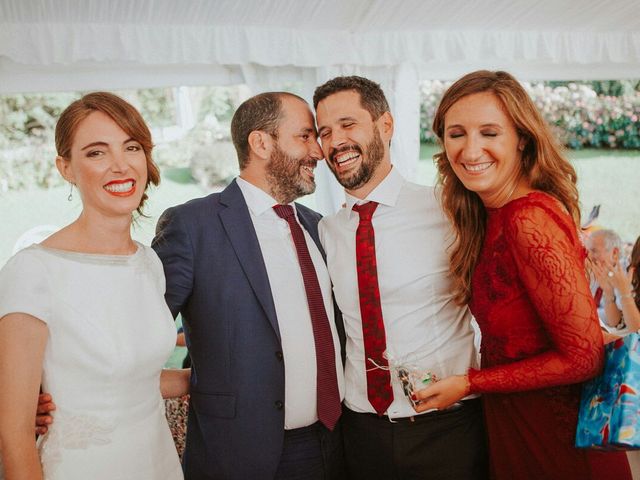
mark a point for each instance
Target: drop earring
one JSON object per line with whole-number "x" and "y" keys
{"x": 70, "y": 197}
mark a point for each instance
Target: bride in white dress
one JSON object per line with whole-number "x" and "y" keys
{"x": 83, "y": 314}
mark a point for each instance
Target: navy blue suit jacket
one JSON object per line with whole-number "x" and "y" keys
{"x": 217, "y": 280}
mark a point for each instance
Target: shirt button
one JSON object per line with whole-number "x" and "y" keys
{"x": 279, "y": 404}
{"x": 279, "y": 355}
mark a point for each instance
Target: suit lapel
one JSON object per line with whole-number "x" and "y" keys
{"x": 237, "y": 223}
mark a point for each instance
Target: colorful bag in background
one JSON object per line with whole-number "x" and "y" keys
{"x": 610, "y": 405}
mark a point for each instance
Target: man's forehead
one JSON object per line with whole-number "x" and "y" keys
{"x": 297, "y": 113}
{"x": 597, "y": 241}
{"x": 339, "y": 105}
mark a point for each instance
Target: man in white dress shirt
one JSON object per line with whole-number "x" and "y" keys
{"x": 418, "y": 325}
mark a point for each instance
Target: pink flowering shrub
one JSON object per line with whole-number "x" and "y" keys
{"x": 579, "y": 117}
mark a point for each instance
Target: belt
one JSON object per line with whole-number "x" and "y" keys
{"x": 302, "y": 430}
{"x": 463, "y": 404}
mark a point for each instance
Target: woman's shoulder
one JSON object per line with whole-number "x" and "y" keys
{"x": 538, "y": 211}
{"x": 152, "y": 260}
{"x": 537, "y": 204}
{"x": 26, "y": 261}
{"x": 25, "y": 284}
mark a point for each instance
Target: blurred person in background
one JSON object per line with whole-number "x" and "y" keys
{"x": 605, "y": 258}
{"x": 624, "y": 284}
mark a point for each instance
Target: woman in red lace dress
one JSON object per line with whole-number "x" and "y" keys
{"x": 518, "y": 261}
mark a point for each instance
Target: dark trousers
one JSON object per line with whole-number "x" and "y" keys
{"x": 447, "y": 444}
{"x": 312, "y": 453}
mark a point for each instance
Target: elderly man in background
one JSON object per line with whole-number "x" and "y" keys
{"x": 606, "y": 256}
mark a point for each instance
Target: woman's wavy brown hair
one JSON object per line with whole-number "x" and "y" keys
{"x": 543, "y": 165}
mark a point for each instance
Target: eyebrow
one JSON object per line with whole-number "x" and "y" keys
{"x": 95, "y": 144}
{"x": 105, "y": 144}
{"x": 484, "y": 125}
{"x": 344, "y": 119}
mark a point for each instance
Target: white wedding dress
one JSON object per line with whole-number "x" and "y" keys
{"x": 110, "y": 333}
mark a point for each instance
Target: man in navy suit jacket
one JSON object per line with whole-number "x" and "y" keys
{"x": 232, "y": 273}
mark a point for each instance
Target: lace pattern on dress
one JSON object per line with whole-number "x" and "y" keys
{"x": 71, "y": 433}
{"x": 532, "y": 301}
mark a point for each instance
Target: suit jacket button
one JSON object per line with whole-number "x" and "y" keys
{"x": 279, "y": 405}
{"x": 279, "y": 355}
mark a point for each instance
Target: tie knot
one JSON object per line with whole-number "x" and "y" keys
{"x": 366, "y": 210}
{"x": 284, "y": 211}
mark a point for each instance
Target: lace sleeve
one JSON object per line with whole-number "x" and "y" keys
{"x": 547, "y": 254}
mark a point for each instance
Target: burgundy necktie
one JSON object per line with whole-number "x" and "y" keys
{"x": 328, "y": 396}
{"x": 375, "y": 343}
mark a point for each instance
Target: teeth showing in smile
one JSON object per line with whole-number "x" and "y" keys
{"x": 340, "y": 159}
{"x": 119, "y": 187}
{"x": 477, "y": 167}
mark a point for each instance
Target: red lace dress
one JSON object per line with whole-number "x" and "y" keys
{"x": 540, "y": 339}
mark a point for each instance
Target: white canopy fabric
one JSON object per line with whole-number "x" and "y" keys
{"x": 124, "y": 43}
{"x": 56, "y": 45}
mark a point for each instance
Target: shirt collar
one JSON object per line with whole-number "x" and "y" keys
{"x": 257, "y": 199}
{"x": 386, "y": 193}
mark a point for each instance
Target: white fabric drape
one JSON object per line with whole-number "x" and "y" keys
{"x": 120, "y": 43}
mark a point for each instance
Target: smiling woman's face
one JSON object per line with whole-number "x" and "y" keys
{"x": 108, "y": 167}
{"x": 483, "y": 146}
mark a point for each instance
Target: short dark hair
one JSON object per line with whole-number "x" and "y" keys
{"x": 372, "y": 97}
{"x": 260, "y": 112}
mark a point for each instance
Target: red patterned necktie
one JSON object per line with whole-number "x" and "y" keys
{"x": 375, "y": 343}
{"x": 328, "y": 396}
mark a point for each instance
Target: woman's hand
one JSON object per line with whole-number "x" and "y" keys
{"x": 621, "y": 279}
{"x": 442, "y": 394}
{"x": 601, "y": 272}
{"x": 43, "y": 414}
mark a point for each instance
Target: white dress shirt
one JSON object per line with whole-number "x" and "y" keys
{"x": 290, "y": 300}
{"x": 424, "y": 327}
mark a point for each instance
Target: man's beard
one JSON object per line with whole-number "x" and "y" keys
{"x": 284, "y": 177}
{"x": 374, "y": 152}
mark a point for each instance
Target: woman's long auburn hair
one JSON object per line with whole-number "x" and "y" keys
{"x": 543, "y": 165}
{"x": 126, "y": 117}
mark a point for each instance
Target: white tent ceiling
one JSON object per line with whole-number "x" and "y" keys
{"x": 53, "y": 45}
{"x": 71, "y": 44}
